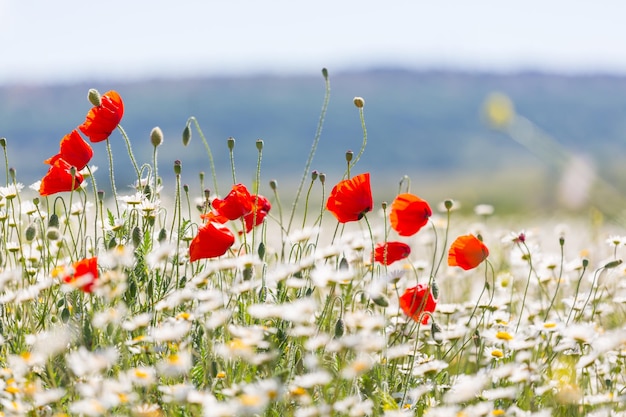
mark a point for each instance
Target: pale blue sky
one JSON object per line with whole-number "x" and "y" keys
{"x": 75, "y": 40}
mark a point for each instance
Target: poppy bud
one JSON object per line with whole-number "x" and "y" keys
{"x": 94, "y": 97}
{"x": 247, "y": 273}
{"x": 259, "y": 144}
{"x": 162, "y": 235}
{"x": 101, "y": 195}
{"x": 613, "y": 264}
{"x": 261, "y": 250}
{"x": 435, "y": 332}
{"x": 324, "y": 73}
{"x": 36, "y": 201}
{"x": 585, "y": 262}
{"x": 434, "y": 289}
{"x": 359, "y": 102}
{"x": 53, "y": 233}
{"x": 322, "y": 178}
{"x": 340, "y": 328}
{"x": 186, "y": 135}
{"x": 112, "y": 243}
{"x": 380, "y": 300}
{"x": 383, "y": 205}
{"x": 136, "y": 236}
{"x": 314, "y": 175}
{"x": 476, "y": 338}
{"x": 561, "y": 241}
{"x": 186, "y": 188}
{"x": 3, "y": 142}
{"x": 54, "y": 221}
{"x": 177, "y": 167}
{"x": 343, "y": 264}
{"x": 349, "y": 155}
{"x": 31, "y": 232}
{"x": 231, "y": 143}
{"x": 448, "y": 204}
{"x": 273, "y": 185}
{"x": 156, "y": 136}
{"x": 207, "y": 193}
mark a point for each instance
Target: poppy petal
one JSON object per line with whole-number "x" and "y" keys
{"x": 417, "y": 300}
{"x": 102, "y": 120}
{"x": 59, "y": 179}
{"x": 350, "y": 199}
{"x": 213, "y": 240}
{"x": 467, "y": 252}
{"x": 390, "y": 252}
{"x": 409, "y": 214}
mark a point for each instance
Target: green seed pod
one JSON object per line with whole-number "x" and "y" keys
{"x": 162, "y": 235}
{"x": 178, "y": 166}
{"x": 381, "y": 300}
{"x": 261, "y": 251}
{"x": 259, "y": 144}
{"x": 231, "y": 143}
{"x": 349, "y": 156}
{"x": 53, "y": 234}
{"x": 359, "y": 102}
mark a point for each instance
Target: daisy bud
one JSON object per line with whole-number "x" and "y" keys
{"x": 349, "y": 156}
{"x": 156, "y": 136}
{"x": 231, "y": 143}
{"x": 177, "y": 167}
{"x": 359, "y": 102}
{"x": 94, "y": 97}
{"x": 273, "y": 185}
{"x": 31, "y": 232}
{"x": 186, "y": 135}
{"x": 324, "y": 73}
{"x": 259, "y": 144}
{"x": 340, "y": 328}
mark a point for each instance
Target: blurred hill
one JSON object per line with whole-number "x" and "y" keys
{"x": 426, "y": 125}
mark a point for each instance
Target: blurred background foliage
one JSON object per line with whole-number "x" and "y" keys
{"x": 430, "y": 126}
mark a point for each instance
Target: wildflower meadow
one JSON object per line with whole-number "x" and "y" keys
{"x": 168, "y": 301}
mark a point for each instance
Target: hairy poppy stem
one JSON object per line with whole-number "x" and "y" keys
{"x": 208, "y": 151}
{"x": 363, "y": 144}
{"x": 316, "y": 140}
{"x": 112, "y": 177}
{"x": 130, "y": 152}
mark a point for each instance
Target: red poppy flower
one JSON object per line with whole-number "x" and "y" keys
{"x": 409, "y": 214}
{"x": 59, "y": 178}
{"x": 212, "y": 240}
{"x": 351, "y": 199}
{"x": 237, "y": 203}
{"x": 417, "y": 300}
{"x": 263, "y": 207}
{"x": 467, "y": 252}
{"x": 74, "y": 150}
{"x": 390, "y": 252}
{"x": 103, "y": 119}
{"x": 85, "y": 274}
{"x": 213, "y": 216}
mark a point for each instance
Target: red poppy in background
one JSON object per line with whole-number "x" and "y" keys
{"x": 103, "y": 119}
{"x": 409, "y": 214}
{"x": 395, "y": 251}
{"x": 85, "y": 274}
{"x": 417, "y": 300}
{"x": 73, "y": 150}
{"x": 59, "y": 179}
{"x": 263, "y": 207}
{"x": 236, "y": 204}
{"x": 350, "y": 199}
{"x": 467, "y": 252}
{"x": 213, "y": 240}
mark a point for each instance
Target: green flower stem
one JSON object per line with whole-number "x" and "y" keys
{"x": 130, "y": 152}
{"x": 112, "y": 177}
{"x": 316, "y": 139}
{"x": 208, "y": 151}
{"x": 363, "y": 144}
